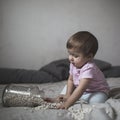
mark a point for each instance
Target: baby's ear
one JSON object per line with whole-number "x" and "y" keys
{"x": 90, "y": 56}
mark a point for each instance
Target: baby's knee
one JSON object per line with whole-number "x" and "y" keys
{"x": 98, "y": 98}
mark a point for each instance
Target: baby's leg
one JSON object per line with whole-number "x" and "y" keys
{"x": 97, "y": 97}
{"x": 63, "y": 92}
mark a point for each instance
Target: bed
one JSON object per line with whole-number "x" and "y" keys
{"x": 110, "y": 110}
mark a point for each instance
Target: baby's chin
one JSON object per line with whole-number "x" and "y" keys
{"x": 76, "y": 66}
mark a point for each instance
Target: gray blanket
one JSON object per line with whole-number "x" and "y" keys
{"x": 110, "y": 110}
{"x": 53, "y": 72}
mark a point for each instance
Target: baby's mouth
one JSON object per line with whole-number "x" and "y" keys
{"x": 73, "y": 64}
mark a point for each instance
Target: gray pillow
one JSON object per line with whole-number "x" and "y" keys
{"x": 103, "y": 65}
{"x": 57, "y": 70}
{"x": 114, "y": 71}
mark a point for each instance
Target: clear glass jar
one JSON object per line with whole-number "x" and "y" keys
{"x": 20, "y": 95}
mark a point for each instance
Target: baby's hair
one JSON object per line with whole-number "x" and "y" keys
{"x": 83, "y": 42}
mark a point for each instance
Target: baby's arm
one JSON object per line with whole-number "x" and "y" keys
{"x": 69, "y": 90}
{"x": 70, "y": 86}
{"x": 62, "y": 98}
{"x": 77, "y": 93}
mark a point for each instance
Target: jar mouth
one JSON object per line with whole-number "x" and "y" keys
{"x": 3, "y": 94}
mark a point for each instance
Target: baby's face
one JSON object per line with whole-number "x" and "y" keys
{"x": 77, "y": 59}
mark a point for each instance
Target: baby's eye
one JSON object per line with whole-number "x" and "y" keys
{"x": 76, "y": 56}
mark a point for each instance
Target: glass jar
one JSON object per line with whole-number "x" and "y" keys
{"x": 20, "y": 95}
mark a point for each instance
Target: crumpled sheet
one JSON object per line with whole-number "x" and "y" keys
{"x": 110, "y": 110}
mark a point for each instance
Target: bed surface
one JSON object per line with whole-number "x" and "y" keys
{"x": 110, "y": 110}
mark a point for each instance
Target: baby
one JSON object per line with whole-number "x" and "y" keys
{"x": 85, "y": 80}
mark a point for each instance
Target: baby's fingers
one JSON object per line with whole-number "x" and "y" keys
{"x": 51, "y": 100}
{"x": 60, "y": 106}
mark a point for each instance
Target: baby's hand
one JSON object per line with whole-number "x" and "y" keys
{"x": 62, "y": 98}
{"x": 51, "y": 100}
{"x": 61, "y": 106}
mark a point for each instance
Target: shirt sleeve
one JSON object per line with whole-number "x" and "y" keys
{"x": 88, "y": 73}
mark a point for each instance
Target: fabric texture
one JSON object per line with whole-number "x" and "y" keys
{"x": 110, "y": 110}
{"x": 103, "y": 65}
{"x": 114, "y": 71}
{"x": 52, "y": 72}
